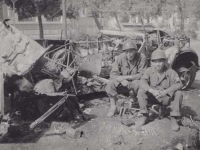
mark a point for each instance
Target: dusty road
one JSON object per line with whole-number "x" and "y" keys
{"x": 102, "y": 133}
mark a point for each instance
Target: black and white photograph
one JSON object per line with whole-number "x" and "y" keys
{"x": 99, "y": 74}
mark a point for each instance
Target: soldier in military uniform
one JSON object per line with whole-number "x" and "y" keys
{"x": 161, "y": 85}
{"x": 126, "y": 72}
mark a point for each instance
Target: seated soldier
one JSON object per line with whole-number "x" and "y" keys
{"x": 126, "y": 71}
{"x": 161, "y": 85}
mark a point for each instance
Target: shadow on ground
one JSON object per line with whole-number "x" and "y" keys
{"x": 187, "y": 111}
{"x": 19, "y": 130}
{"x": 195, "y": 85}
{"x": 23, "y": 134}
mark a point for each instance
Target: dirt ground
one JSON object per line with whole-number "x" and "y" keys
{"x": 102, "y": 133}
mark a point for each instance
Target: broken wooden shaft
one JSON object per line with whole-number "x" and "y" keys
{"x": 50, "y": 111}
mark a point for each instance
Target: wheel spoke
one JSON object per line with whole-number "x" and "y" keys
{"x": 185, "y": 77}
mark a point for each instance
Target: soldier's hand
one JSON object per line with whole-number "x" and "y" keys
{"x": 121, "y": 78}
{"x": 162, "y": 94}
{"x": 156, "y": 93}
{"x": 124, "y": 82}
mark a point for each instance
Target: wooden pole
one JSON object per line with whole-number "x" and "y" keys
{"x": 64, "y": 18}
{"x": 13, "y": 1}
{"x": 1, "y": 91}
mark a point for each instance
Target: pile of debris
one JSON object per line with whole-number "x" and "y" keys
{"x": 39, "y": 83}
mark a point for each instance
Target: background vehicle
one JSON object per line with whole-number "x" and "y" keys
{"x": 180, "y": 56}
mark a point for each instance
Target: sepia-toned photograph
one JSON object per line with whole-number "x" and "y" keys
{"x": 99, "y": 74}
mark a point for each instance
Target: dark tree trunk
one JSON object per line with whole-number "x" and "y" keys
{"x": 182, "y": 21}
{"x": 40, "y": 27}
{"x": 148, "y": 19}
{"x": 181, "y": 15}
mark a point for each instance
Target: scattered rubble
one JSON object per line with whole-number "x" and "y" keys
{"x": 118, "y": 140}
{"x": 179, "y": 146}
{"x": 49, "y": 93}
{"x": 87, "y": 111}
{"x": 193, "y": 137}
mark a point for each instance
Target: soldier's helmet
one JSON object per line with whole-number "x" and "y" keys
{"x": 158, "y": 54}
{"x": 129, "y": 44}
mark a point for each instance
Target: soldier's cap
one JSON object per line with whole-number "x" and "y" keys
{"x": 158, "y": 54}
{"x": 129, "y": 44}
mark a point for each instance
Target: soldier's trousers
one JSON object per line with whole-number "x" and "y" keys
{"x": 114, "y": 87}
{"x": 175, "y": 101}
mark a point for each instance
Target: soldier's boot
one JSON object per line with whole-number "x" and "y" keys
{"x": 112, "y": 111}
{"x": 174, "y": 124}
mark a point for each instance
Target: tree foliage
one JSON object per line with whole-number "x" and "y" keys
{"x": 147, "y": 8}
{"x": 97, "y": 4}
{"x": 144, "y": 7}
{"x": 34, "y": 8}
{"x": 183, "y": 8}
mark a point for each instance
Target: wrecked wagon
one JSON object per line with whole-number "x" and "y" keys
{"x": 118, "y": 26}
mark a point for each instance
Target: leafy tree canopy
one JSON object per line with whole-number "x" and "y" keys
{"x": 34, "y": 8}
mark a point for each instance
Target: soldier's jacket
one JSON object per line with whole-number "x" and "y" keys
{"x": 122, "y": 66}
{"x": 168, "y": 81}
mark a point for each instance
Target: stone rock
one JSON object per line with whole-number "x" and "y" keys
{"x": 179, "y": 146}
